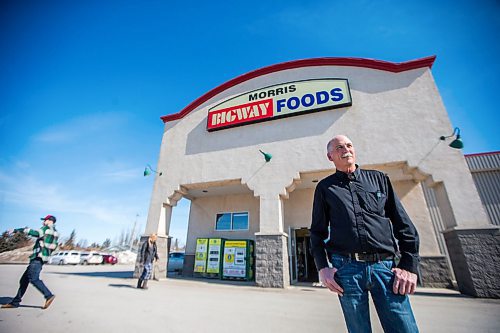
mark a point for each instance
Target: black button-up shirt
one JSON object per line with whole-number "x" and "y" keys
{"x": 360, "y": 212}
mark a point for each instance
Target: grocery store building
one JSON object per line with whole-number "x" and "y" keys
{"x": 249, "y": 153}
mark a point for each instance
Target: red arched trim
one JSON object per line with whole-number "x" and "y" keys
{"x": 354, "y": 62}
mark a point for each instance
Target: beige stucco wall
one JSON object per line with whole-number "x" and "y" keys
{"x": 413, "y": 200}
{"x": 395, "y": 117}
{"x": 298, "y": 210}
{"x": 204, "y": 210}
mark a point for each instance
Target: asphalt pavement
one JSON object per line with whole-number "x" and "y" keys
{"x": 104, "y": 299}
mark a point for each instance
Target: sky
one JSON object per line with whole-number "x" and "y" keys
{"x": 83, "y": 85}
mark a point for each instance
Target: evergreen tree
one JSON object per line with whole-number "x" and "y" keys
{"x": 20, "y": 239}
{"x": 9, "y": 242}
{"x": 4, "y": 242}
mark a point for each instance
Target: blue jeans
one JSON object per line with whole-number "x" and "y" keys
{"x": 32, "y": 274}
{"x": 357, "y": 279}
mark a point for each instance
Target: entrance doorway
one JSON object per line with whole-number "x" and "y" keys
{"x": 302, "y": 267}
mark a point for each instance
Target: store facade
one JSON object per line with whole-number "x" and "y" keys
{"x": 248, "y": 155}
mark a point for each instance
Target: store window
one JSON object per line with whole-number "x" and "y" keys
{"x": 231, "y": 221}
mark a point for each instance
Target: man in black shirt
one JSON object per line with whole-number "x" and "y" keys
{"x": 359, "y": 224}
{"x": 148, "y": 253}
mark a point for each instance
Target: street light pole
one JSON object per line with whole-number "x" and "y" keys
{"x": 133, "y": 232}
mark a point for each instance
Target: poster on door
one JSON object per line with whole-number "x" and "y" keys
{"x": 200, "y": 258}
{"x": 214, "y": 255}
{"x": 234, "y": 264}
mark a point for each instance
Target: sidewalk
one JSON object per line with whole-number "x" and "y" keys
{"x": 104, "y": 299}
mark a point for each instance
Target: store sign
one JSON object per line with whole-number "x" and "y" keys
{"x": 284, "y": 100}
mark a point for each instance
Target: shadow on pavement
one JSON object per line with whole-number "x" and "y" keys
{"x": 119, "y": 285}
{"x": 5, "y": 300}
{"x": 31, "y": 306}
{"x": 211, "y": 280}
{"x": 438, "y": 294}
{"x": 305, "y": 286}
{"x": 117, "y": 275}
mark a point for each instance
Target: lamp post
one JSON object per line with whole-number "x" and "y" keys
{"x": 267, "y": 156}
{"x": 133, "y": 232}
{"x": 457, "y": 143}
{"x": 149, "y": 169}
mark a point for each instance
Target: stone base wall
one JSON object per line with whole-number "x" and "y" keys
{"x": 160, "y": 266}
{"x": 271, "y": 261}
{"x": 475, "y": 256}
{"x": 435, "y": 272}
{"x": 188, "y": 267}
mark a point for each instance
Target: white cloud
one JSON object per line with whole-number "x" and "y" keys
{"x": 123, "y": 175}
{"x": 25, "y": 191}
{"x": 84, "y": 171}
{"x": 56, "y": 135}
{"x": 75, "y": 128}
{"x": 22, "y": 164}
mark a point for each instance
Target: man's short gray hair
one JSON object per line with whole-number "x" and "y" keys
{"x": 329, "y": 146}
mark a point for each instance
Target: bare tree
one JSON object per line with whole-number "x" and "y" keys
{"x": 175, "y": 245}
{"x": 70, "y": 242}
{"x": 121, "y": 239}
{"x": 82, "y": 243}
{"x": 106, "y": 244}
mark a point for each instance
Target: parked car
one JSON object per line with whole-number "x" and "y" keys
{"x": 109, "y": 259}
{"x": 65, "y": 258}
{"x": 175, "y": 262}
{"x": 90, "y": 258}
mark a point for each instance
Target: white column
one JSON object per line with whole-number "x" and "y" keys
{"x": 158, "y": 223}
{"x": 161, "y": 225}
{"x": 271, "y": 214}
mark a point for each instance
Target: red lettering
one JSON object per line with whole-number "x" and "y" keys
{"x": 240, "y": 114}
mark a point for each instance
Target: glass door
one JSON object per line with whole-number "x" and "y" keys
{"x": 292, "y": 254}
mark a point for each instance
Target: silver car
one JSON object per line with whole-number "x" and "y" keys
{"x": 90, "y": 258}
{"x": 65, "y": 258}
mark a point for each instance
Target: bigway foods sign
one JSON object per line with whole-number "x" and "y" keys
{"x": 283, "y": 100}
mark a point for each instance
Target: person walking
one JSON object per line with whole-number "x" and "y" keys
{"x": 359, "y": 224}
{"x": 45, "y": 243}
{"x": 148, "y": 253}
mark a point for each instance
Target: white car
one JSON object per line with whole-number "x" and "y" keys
{"x": 90, "y": 258}
{"x": 65, "y": 258}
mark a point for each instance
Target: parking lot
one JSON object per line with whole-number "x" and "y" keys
{"x": 103, "y": 299}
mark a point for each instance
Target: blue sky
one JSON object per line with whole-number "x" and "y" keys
{"x": 83, "y": 85}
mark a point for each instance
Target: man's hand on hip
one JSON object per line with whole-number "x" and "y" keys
{"x": 405, "y": 282}
{"x": 326, "y": 276}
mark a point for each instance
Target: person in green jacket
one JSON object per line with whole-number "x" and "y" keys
{"x": 45, "y": 244}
